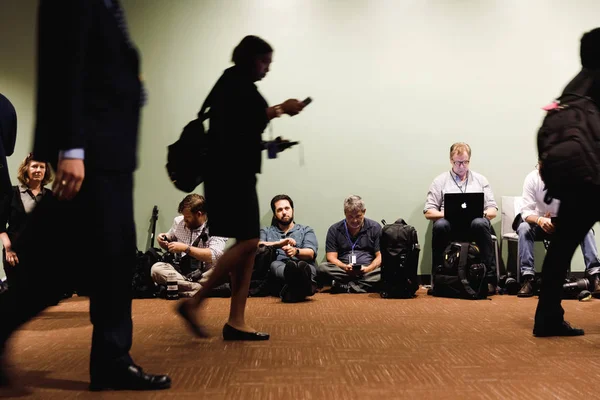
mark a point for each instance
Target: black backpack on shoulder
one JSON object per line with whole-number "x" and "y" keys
{"x": 187, "y": 158}
{"x": 400, "y": 257}
{"x": 569, "y": 142}
{"x": 462, "y": 274}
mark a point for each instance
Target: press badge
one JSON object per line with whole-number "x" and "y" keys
{"x": 352, "y": 258}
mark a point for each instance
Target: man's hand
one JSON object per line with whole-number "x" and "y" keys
{"x": 11, "y": 258}
{"x": 177, "y": 247}
{"x": 290, "y": 251}
{"x": 346, "y": 268}
{"x": 365, "y": 269}
{"x": 69, "y": 177}
{"x": 546, "y": 223}
{"x": 287, "y": 242}
{"x": 162, "y": 243}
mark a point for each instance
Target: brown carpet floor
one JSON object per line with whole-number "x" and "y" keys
{"x": 331, "y": 347}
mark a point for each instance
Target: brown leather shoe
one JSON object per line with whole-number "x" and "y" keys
{"x": 527, "y": 288}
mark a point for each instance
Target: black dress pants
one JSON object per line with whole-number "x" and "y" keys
{"x": 574, "y": 224}
{"x": 87, "y": 244}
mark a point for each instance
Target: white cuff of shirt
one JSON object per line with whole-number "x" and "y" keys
{"x": 78, "y": 154}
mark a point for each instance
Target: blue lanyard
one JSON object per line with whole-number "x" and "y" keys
{"x": 348, "y": 236}
{"x": 460, "y": 186}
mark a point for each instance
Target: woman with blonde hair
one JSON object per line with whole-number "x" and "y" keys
{"x": 18, "y": 204}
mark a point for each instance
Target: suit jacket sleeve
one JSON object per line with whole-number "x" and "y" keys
{"x": 62, "y": 36}
{"x": 8, "y": 126}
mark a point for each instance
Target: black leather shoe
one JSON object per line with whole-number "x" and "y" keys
{"x": 308, "y": 288}
{"x": 564, "y": 329}
{"x": 196, "y": 328}
{"x": 130, "y": 378}
{"x": 338, "y": 287}
{"x": 230, "y": 333}
{"x": 527, "y": 288}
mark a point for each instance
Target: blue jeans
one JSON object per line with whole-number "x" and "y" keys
{"x": 529, "y": 233}
{"x": 277, "y": 268}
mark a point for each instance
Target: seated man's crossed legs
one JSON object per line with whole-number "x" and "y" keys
{"x": 352, "y": 281}
{"x": 161, "y": 272}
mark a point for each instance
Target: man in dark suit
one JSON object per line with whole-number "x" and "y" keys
{"x": 8, "y": 137}
{"x": 88, "y": 103}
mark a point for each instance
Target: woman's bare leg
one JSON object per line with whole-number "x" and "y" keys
{"x": 238, "y": 261}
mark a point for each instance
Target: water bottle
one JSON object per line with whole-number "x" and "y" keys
{"x": 172, "y": 289}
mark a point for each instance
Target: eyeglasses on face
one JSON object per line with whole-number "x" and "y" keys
{"x": 459, "y": 163}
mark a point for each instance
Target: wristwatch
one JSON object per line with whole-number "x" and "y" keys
{"x": 297, "y": 251}
{"x": 187, "y": 251}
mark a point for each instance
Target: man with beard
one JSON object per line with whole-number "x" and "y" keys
{"x": 195, "y": 251}
{"x": 296, "y": 246}
{"x": 353, "y": 255}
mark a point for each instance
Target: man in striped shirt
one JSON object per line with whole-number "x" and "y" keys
{"x": 194, "y": 251}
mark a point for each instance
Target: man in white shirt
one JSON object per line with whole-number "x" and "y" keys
{"x": 195, "y": 250}
{"x": 539, "y": 221}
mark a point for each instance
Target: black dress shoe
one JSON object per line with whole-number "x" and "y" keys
{"x": 527, "y": 288}
{"x": 230, "y": 333}
{"x": 130, "y": 378}
{"x": 196, "y": 328}
{"x": 564, "y": 329}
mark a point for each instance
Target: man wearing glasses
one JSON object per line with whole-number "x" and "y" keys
{"x": 461, "y": 180}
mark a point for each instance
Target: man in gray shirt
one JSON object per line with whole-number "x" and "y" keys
{"x": 461, "y": 180}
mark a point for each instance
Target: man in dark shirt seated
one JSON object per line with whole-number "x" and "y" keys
{"x": 352, "y": 246}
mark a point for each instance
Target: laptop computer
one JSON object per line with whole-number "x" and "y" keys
{"x": 460, "y": 209}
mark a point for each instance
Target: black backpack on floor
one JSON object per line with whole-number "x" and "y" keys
{"x": 143, "y": 286}
{"x": 462, "y": 274}
{"x": 261, "y": 281}
{"x": 400, "y": 257}
{"x": 569, "y": 141}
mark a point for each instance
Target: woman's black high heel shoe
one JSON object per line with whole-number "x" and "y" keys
{"x": 230, "y": 333}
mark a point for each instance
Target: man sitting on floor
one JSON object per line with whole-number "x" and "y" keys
{"x": 194, "y": 250}
{"x": 353, "y": 255}
{"x": 296, "y": 245}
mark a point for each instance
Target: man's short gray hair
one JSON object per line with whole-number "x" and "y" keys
{"x": 353, "y": 204}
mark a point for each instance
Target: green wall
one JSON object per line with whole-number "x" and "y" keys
{"x": 394, "y": 83}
